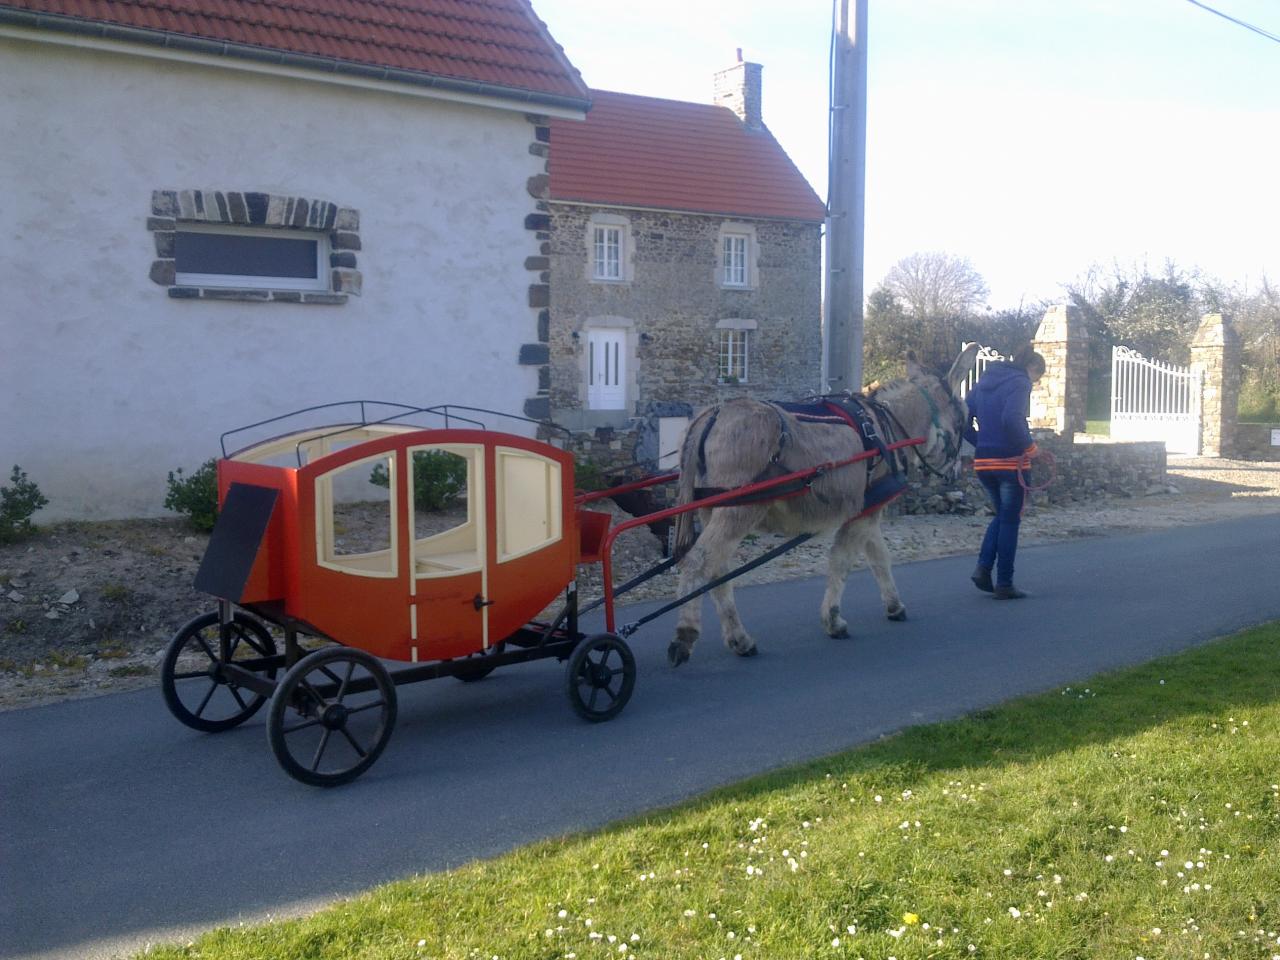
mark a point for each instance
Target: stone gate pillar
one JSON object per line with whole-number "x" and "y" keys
{"x": 1058, "y": 400}
{"x": 1215, "y": 352}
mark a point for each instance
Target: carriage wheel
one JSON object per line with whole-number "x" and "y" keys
{"x": 193, "y": 686}
{"x": 600, "y": 676}
{"x": 332, "y": 716}
{"x": 475, "y": 668}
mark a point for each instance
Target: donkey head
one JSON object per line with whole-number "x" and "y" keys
{"x": 939, "y": 412}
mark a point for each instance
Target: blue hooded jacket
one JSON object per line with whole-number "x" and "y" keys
{"x": 1001, "y": 403}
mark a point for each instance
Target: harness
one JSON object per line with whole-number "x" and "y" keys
{"x": 860, "y": 413}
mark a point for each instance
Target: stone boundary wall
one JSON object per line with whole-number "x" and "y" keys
{"x": 1086, "y": 471}
{"x": 1252, "y": 441}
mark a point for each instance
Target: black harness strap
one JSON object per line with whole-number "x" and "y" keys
{"x": 634, "y": 582}
{"x": 629, "y": 628}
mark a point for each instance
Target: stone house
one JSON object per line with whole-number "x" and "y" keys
{"x": 222, "y": 213}
{"x": 685, "y": 263}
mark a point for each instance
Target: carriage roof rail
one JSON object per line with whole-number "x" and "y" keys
{"x": 364, "y": 420}
{"x": 444, "y": 411}
{"x": 549, "y": 424}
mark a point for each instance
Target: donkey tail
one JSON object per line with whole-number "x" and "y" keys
{"x": 690, "y": 468}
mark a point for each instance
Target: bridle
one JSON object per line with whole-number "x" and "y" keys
{"x": 950, "y": 452}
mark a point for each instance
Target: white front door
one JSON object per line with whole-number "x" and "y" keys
{"x": 606, "y": 369}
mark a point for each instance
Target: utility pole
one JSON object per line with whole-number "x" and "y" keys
{"x": 846, "y": 198}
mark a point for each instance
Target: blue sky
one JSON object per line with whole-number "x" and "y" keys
{"x": 1035, "y": 138}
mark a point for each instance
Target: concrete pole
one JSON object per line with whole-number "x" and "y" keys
{"x": 846, "y": 196}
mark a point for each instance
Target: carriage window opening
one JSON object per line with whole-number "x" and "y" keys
{"x": 529, "y": 503}
{"x": 355, "y": 517}
{"x": 732, "y": 366}
{"x": 447, "y": 510}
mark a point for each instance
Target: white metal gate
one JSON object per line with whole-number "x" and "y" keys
{"x": 1153, "y": 400}
{"x": 985, "y": 356}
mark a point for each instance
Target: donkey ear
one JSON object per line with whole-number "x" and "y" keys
{"x": 913, "y": 365}
{"x": 963, "y": 366}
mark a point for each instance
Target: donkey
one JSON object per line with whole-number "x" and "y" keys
{"x": 743, "y": 440}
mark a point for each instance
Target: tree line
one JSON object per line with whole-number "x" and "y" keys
{"x": 934, "y": 302}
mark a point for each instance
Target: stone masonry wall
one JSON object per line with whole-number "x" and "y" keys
{"x": 1085, "y": 471}
{"x": 673, "y": 303}
{"x": 1252, "y": 441}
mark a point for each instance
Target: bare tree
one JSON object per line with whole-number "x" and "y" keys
{"x": 934, "y": 286}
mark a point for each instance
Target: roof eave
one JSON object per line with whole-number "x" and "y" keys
{"x": 184, "y": 43}
{"x": 689, "y": 211}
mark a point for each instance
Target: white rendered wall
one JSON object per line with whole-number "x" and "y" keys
{"x": 106, "y": 383}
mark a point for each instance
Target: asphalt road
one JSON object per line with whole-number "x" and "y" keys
{"x": 120, "y": 827}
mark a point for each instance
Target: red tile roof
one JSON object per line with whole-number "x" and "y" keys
{"x": 642, "y": 152}
{"x": 495, "y": 42}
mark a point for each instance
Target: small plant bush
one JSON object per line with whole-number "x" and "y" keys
{"x": 18, "y": 502}
{"x": 588, "y": 475}
{"x": 438, "y": 479}
{"x": 196, "y": 496}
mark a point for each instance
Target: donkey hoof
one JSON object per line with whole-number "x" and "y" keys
{"x": 677, "y": 653}
{"x": 743, "y": 645}
{"x": 835, "y": 625}
{"x": 897, "y": 614}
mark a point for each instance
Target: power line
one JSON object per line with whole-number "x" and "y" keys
{"x": 1240, "y": 23}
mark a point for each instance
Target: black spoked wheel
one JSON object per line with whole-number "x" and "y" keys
{"x": 600, "y": 676}
{"x": 478, "y": 665}
{"x": 331, "y": 716}
{"x": 194, "y": 688}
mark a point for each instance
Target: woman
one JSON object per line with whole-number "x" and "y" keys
{"x": 1001, "y": 403}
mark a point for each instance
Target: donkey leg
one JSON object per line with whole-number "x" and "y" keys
{"x": 877, "y": 552}
{"x": 846, "y": 547}
{"x": 721, "y": 533}
{"x": 689, "y": 625}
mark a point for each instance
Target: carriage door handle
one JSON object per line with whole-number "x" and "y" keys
{"x": 480, "y": 602}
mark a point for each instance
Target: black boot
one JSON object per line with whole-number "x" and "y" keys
{"x": 981, "y": 578}
{"x": 1009, "y": 592}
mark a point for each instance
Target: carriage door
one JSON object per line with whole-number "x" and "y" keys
{"x": 447, "y": 537}
{"x": 606, "y": 369}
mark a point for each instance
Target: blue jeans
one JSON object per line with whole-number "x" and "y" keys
{"x": 1001, "y": 540}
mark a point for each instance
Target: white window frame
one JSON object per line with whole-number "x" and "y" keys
{"x": 734, "y": 344}
{"x": 736, "y": 261}
{"x": 604, "y": 238}
{"x": 242, "y": 282}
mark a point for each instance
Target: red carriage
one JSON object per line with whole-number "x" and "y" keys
{"x": 319, "y": 534}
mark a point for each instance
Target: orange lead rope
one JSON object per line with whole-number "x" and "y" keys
{"x": 1051, "y": 469}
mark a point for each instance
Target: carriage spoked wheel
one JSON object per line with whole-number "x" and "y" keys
{"x": 599, "y": 676}
{"x": 475, "y": 667}
{"x": 194, "y": 687}
{"x": 331, "y": 716}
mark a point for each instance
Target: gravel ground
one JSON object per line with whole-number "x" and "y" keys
{"x": 87, "y": 608}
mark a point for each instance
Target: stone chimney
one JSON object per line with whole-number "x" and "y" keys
{"x": 738, "y": 88}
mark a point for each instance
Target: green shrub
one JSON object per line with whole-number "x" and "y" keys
{"x": 588, "y": 475}
{"x": 196, "y": 495}
{"x": 438, "y": 478}
{"x": 1259, "y": 403}
{"x": 17, "y": 503}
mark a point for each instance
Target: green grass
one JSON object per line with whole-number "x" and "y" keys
{"x": 1101, "y": 428}
{"x": 1056, "y": 826}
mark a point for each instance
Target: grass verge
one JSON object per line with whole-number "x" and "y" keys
{"x": 1137, "y": 815}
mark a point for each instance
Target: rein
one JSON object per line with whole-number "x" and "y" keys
{"x": 935, "y": 416}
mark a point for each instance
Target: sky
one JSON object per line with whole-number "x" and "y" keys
{"x": 1037, "y": 139}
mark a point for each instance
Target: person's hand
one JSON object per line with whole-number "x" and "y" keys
{"x": 1036, "y": 452}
